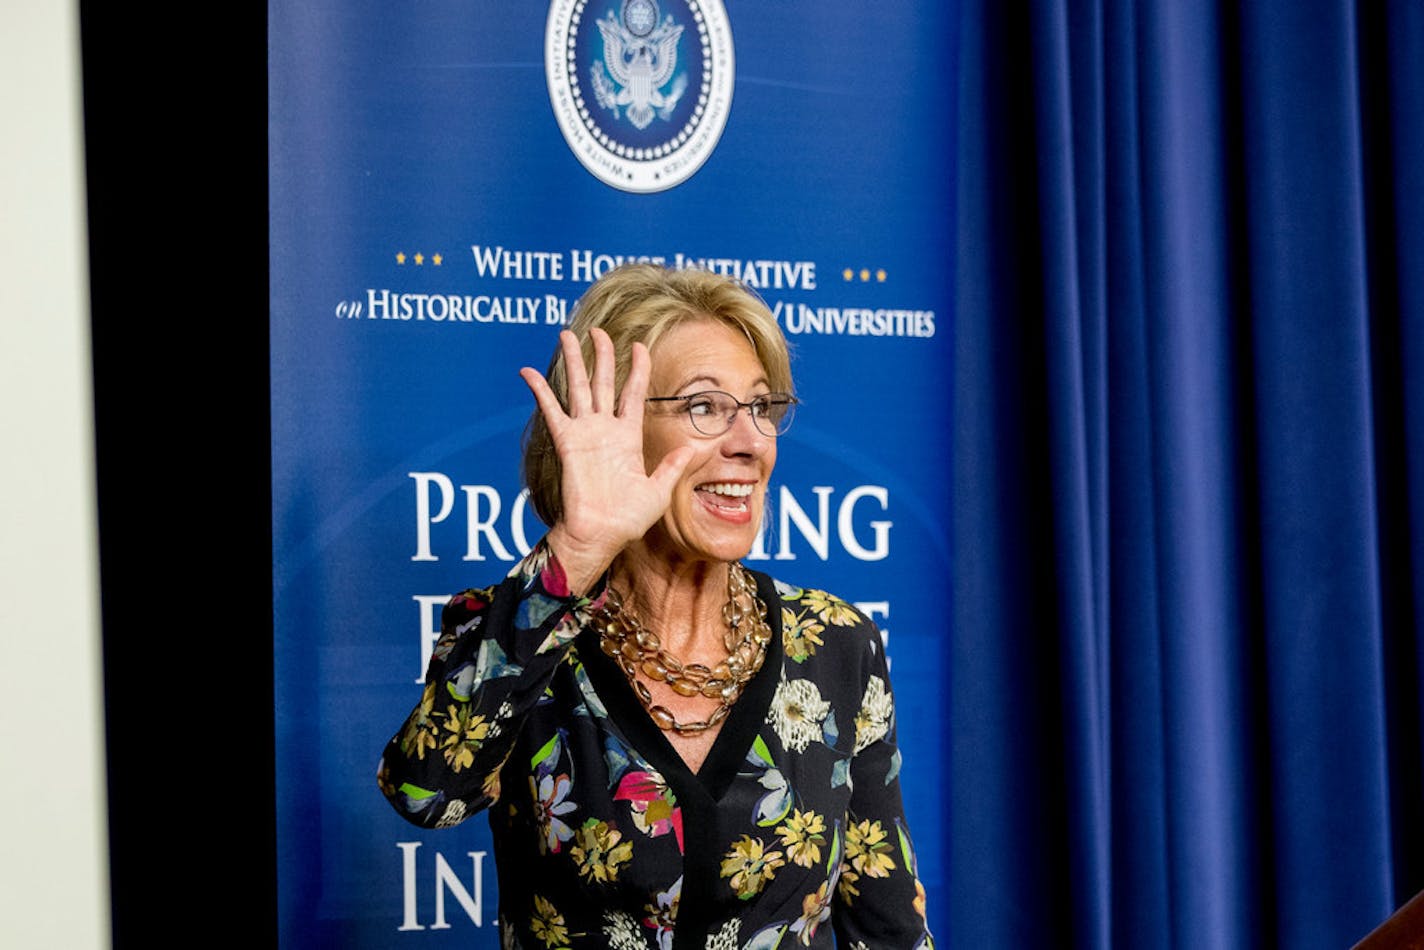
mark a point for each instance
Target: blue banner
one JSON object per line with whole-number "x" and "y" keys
{"x": 445, "y": 183}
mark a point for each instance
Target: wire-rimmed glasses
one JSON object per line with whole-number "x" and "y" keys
{"x": 713, "y": 412}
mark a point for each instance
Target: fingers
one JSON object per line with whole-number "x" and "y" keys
{"x": 604, "y": 364}
{"x": 589, "y": 395}
{"x": 584, "y": 395}
{"x": 635, "y": 388}
{"x": 544, "y": 397}
{"x": 672, "y": 466}
{"x": 575, "y": 374}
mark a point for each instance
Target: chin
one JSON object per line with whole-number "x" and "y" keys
{"x": 720, "y": 549}
{"x": 735, "y": 549}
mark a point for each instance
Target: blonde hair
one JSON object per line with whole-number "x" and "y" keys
{"x": 640, "y": 302}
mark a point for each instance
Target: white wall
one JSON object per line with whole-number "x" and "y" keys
{"x": 53, "y": 879}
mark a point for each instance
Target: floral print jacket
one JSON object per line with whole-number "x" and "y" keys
{"x": 791, "y": 834}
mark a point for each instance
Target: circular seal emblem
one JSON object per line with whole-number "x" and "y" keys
{"x": 641, "y": 89}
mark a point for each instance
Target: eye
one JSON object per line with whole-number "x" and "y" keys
{"x": 702, "y": 404}
{"x": 772, "y": 406}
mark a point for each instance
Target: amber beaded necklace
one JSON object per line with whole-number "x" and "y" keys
{"x": 636, "y": 648}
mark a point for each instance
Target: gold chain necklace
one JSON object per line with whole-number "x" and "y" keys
{"x": 636, "y": 648}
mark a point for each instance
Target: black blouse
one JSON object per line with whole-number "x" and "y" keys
{"x": 791, "y": 831}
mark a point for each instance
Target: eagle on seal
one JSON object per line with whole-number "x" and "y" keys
{"x": 634, "y": 70}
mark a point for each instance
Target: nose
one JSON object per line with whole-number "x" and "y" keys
{"x": 743, "y": 437}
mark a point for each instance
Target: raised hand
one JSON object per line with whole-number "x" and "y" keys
{"x": 609, "y": 497}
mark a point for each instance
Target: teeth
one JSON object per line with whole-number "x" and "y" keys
{"x": 728, "y": 488}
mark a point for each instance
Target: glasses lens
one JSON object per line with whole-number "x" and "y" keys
{"x": 712, "y": 412}
{"x": 772, "y": 413}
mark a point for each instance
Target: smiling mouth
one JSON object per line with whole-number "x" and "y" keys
{"x": 729, "y": 496}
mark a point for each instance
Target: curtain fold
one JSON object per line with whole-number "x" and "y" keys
{"x": 1392, "y": 95}
{"x": 1188, "y": 520}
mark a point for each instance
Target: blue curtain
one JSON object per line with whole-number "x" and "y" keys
{"x": 1189, "y": 493}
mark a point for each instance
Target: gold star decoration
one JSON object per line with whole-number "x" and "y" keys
{"x": 419, "y": 258}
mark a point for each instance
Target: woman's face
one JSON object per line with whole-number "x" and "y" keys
{"x": 716, "y": 506}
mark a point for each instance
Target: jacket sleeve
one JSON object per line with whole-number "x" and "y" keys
{"x": 498, "y": 650}
{"x": 880, "y": 902}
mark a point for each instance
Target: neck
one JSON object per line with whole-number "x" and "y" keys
{"x": 681, "y": 601}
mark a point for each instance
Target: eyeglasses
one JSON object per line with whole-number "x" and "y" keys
{"x": 713, "y": 412}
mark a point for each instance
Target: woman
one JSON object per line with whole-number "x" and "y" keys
{"x": 675, "y": 751}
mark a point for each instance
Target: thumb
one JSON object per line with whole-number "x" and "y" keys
{"x": 672, "y": 466}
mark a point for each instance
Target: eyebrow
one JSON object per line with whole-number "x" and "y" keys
{"x": 712, "y": 382}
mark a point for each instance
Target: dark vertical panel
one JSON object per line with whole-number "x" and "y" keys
{"x": 1258, "y": 779}
{"x": 1318, "y": 522}
{"x": 175, "y": 150}
{"x": 1007, "y": 764}
{"x": 1390, "y": 41}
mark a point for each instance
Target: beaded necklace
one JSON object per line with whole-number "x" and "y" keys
{"x": 636, "y": 648}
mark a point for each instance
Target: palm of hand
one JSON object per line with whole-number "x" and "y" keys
{"x": 609, "y": 497}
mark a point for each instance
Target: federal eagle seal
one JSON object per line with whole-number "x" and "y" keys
{"x": 641, "y": 89}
